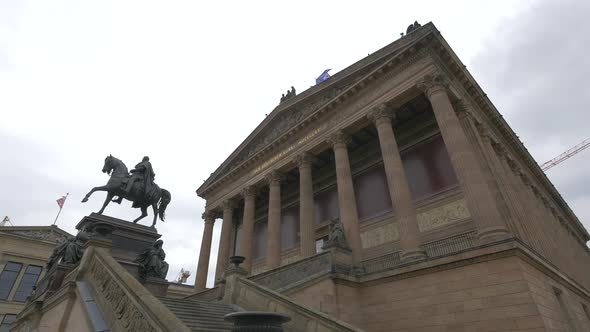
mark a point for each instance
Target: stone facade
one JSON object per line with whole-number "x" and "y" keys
{"x": 372, "y": 126}
{"x": 27, "y": 246}
{"x": 450, "y": 224}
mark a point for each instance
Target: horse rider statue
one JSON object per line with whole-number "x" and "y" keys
{"x": 142, "y": 172}
{"x": 137, "y": 186}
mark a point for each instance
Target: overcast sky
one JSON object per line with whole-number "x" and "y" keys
{"x": 185, "y": 82}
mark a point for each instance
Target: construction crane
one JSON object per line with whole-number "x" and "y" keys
{"x": 566, "y": 155}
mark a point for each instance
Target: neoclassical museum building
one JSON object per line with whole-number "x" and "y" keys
{"x": 449, "y": 222}
{"x": 392, "y": 196}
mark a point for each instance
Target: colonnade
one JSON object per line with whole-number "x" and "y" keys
{"x": 467, "y": 168}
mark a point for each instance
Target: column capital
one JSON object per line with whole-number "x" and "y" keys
{"x": 305, "y": 159}
{"x": 432, "y": 83}
{"x": 526, "y": 180}
{"x": 248, "y": 192}
{"x": 513, "y": 165}
{"x": 485, "y": 133}
{"x": 463, "y": 108}
{"x": 537, "y": 192}
{"x": 500, "y": 150}
{"x": 208, "y": 217}
{"x": 339, "y": 139}
{"x": 229, "y": 204}
{"x": 274, "y": 178}
{"x": 380, "y": 113}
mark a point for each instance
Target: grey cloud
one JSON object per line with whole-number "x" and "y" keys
{"x": 33, "y": 176}
{"x": 534, "y": 68}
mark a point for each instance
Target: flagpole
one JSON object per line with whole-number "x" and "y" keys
{"x": 61, "y": 207}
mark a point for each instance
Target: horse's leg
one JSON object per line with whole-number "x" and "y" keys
{"x": 101, "y": 188}
{"x": 143, "y": 214}
{"x": 107, "y": 200}
{"x": 155, "y": 207}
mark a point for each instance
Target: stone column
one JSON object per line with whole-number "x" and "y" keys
{"x": 494, "y": 151}
{"x": 306, "y": 215}
{"x": 471, "y": 179}
{"x": 225, "y": 239}
{"x": 273, "y": 247}
{"x": 346, "y": 198}
{"x": 518, "y": 187}
{"x": 247, "y": 233}
{"x": 203, "y": 266}
{"x": 399, "y": 191}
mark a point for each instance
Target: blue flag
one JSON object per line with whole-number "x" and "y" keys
{"x": 324, "y": 76}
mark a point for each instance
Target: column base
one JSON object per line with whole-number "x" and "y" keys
{"x": 493, "y": 234}
{"x": 412, "y": 255}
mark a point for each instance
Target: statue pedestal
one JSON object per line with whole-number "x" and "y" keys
{"x": 127, "y": 241}
{"x": 157, "y": 286}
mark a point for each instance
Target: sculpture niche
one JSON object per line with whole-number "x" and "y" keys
{"x": 138, "y": 187}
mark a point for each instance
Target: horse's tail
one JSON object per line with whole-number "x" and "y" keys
{"x": 164, "y": 201}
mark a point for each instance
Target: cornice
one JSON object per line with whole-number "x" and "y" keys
{"x": 391, "y": 58}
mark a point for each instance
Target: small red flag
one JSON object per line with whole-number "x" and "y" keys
{"x": 61, "y": 201}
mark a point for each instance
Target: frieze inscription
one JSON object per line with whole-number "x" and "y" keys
{"x": 287, "y": 150}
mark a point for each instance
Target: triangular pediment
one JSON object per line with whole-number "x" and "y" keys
{"x": 43, "y": 233}
{"x": 292, "y": 112}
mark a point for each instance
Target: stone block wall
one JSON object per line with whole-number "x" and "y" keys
{"x": 560, "y": 307}
{"x": 488, "y": 296}
{"x": 505, "y": 294}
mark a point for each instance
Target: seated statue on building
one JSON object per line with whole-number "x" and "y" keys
{"x": 71, "y": 250}
{"x": 151, "y": 262}
{"x": 413, "y": 27}
{"x": 336, "y": 236}
{"x": 290, "y": 94}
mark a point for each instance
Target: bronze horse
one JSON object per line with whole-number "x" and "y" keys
{"x": 116, "y": 185}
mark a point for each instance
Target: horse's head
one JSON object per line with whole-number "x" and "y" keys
{"x": 108, "y": 165}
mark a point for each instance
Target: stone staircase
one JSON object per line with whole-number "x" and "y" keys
{"x": 199, "y": 315}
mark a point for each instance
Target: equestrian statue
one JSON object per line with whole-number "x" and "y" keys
{"x": 138, "y": 187}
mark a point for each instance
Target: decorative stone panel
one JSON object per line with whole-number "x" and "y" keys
{"x": 443, "y": 215}
{"x": 380, "y": 235}
{"x": 41, "y": 235}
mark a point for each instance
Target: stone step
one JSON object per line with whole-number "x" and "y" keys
{"x": 199, "y": 315}
{"x": 197, "y": 307}
{"x": 193, "y": 303}
{"x": 197, "y": 311}
{"x": 202, "y": 319}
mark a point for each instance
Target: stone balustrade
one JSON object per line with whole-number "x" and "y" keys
{"x": 123, "y": 301}
{"x": 249, "y": 294}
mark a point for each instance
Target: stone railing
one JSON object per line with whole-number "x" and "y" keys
{"x": 295, "y": 273}
{"x": 384, "y": 262}
{"x": 125, "y": 304}
{"x": 450, "y": 245}
{"x": 248, "y": 294}
{"x": 211, "y": 294}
